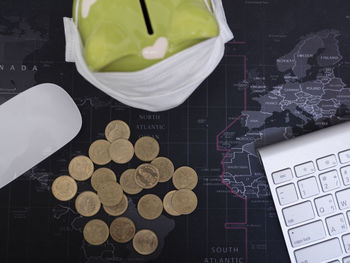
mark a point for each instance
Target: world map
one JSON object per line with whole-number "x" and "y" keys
{"x": 309, "y": 91}
{"x": 285, "y": 73}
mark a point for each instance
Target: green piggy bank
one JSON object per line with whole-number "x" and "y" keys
{"x": 130, "y": 35}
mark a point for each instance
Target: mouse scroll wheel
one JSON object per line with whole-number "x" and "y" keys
{"x": 146, "y": 17}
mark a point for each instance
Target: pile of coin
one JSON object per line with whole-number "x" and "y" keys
{"x": 111, "y": 195}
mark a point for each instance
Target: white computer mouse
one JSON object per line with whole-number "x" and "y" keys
{"x": 34, "y": 125}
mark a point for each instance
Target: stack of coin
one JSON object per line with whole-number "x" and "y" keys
{"x": 182, "y": 201}
{"x": 111, "y": 194}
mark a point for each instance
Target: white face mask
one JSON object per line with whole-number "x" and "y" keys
{"x": 161, "y": 86}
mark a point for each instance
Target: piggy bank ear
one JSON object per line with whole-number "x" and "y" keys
{"x": 106, "y": 44}
{"x": 192, "y": 20}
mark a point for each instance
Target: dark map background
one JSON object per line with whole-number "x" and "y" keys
{"x": 285, "y": 73}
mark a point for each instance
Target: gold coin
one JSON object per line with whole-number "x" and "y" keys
{"x": 99, "y": 152}
{"x": 150, "y": 206}
{"x": 167, "y": 203}
{"x": 64, "y": 188}
{"x": 184, "y": 201}
{"x": 101, "y": 176}
{"x": 165, "y": 167}
{"x": 147, "y": 176}
{"x": 128, "y": 183}
{"x": 146, "y": 148}
{"x": 145, "y": 242}
{"x": 118, "y": 209}
{"x": 117, "y": 130}
{"x": 87, "y": 204}
{"x": 185, "y": 178}
{"x": 121, "y": 151}
{"x": 81, "y": 168}
{"x": 110, "y": 193}
{"x": 122, "y": 229}
{"x": 96, "y": 232}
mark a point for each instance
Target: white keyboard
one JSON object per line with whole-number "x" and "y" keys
{"x": 309, "y": 178}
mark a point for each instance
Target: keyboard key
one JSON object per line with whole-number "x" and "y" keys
{"x": 282, "y": 176}
{"x": 326, "y": 162}
{"x": 329, "y": 181}
{"x": 308, "y": 187}
{"x": 346, "y": 260}
{"x": 335, "y": 261}
{"x": 343, "y": 198}
{"x": 306, "y": 234}
{"x": 344, "y": 156}
{"x": 304, "y": 169}
{"x": 298, "y": 213}
{"x": 345, "y": 174}
{"x": 325, "y": 205}
{"x": 346, "y": 241}
{"x": 287, "y": 194}
{"x": 336, "y": 224}
{"x": 320, "y": 252}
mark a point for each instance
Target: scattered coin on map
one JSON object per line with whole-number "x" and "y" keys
{"x": 110, "y": 193}
{"x": 184, "y": 201}
{"x": 167, "y": 203}
{"x": 101, "y": 176}
{"x": 118, "y": 209}
{"x": 87, "y": 204}
{"x": 128, "y": 183}
{"x": 165, "y": 167}
{"x": 64, "y": 188}
{"x": 146, "y": 148}
{"x": 145, "y": 242}
{"x": 185, "y": 178}
{"x": 96, "y": 232}
{"x": 147, "y": 176}
{"x": 117, "y": 130}
{"x": 121, "y": 151}
{"x": 150, "y": 206}
{"x": 81, "y": 168}
{"x": 122, "y": 229}
{"x": 99, "y": 152}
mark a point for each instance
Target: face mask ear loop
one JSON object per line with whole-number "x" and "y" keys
{"x": 77, "y": 12}
{"x": 70, "y": 38}
{"x": 225, "y": 31}
{"x": 70, "y": 34}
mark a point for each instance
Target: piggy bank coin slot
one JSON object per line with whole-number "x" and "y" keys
{"x": 146, "y": 17}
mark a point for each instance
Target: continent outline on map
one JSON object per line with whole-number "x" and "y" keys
{"x": 310, "y": 92}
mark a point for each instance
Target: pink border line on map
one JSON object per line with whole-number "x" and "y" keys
{"x": 237, "y": 42}
{"x": 246, "y": 238}
{"x": 228, "y": 150}
{"x": 231, "y": 225}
